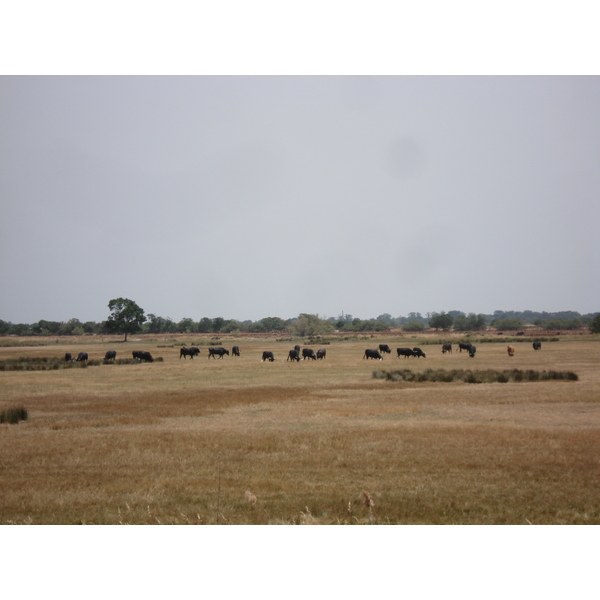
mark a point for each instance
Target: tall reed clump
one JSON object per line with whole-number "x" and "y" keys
{"x": 469, "y": 376}
{"x": 13, "y": 415}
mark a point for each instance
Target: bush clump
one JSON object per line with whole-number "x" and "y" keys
{"x": 53, "y": 364}
{"x": 13, "y": 415}
{"x": 469, "y": 376}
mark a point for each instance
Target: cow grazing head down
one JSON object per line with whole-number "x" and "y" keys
{"x": 267, "y": 355}
{"x": 308, "y": 353}
{"x": 510, "y": 350}
{"x": 406, "y": 352}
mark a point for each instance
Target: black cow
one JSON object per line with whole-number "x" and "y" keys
{"x": 537, "y": 345}
{"x": 384, "y": 348}
{"x": 406, "y": 352}
{"x": 321, "y": 353}
{"x": 308, "y": 353}
{"x": 373, "y": 354}
{"x": 82, "y": 356}
{"x": 235, "y": 351}
{"x": 68, "y": 357}
{"x": 110, "y": 355}
{"x": 191, "y": 352}
{"x": 520, "y": 333}
{"x": 472, "y": 350}
{"x": 447, "y": 347}
{"x": 418, "y": 353}
{"x": 267, "y": 355}
{"x": 142, "y": 355}
{"x": 296, "y": 347}
{"x": 220, "y": 352}
{"x": 463, "y": 346}
{"x": 294, "y": 355}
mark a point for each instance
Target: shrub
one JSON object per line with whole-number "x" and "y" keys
{"x": 594, "y": 325}
{"x": 553, "y": 324}
{"x": 441, "y": 321}
{"x": 468, "y": 376}
{"x": 13, "y": 415}
{"x": 413, "y": 326}
{"x": 471, "y": 323}
{"x": 509, "y": 324}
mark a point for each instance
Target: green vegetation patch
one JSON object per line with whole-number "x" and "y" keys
{"x": 469, "y": 376}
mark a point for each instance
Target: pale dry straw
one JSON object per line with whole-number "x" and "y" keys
{"x": 144, "y": 438}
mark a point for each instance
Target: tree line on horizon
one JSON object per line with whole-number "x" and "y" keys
{"x": 127, "y": 317}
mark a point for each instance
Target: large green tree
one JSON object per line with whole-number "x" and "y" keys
{"x": 595, "y": 324}
{"x": 126, "y": 317}
{"x": 310, "y": 325}
{"x": 441, "y": 321}
{"x": 471, "y": 323}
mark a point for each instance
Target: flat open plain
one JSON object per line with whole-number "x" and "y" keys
{"x": 183, "y": 440}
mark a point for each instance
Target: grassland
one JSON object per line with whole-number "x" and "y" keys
{"x": 182, "y": 441}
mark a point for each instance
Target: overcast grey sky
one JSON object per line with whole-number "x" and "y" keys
{"x": 248, "y": 197}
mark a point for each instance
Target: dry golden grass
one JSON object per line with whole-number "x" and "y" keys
{"x": 311, "y": 442}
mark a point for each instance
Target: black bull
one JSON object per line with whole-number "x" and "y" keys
{"x": 267, "y": 355}
{"x": 294, "y": 355}
{"x": 191, "y": 352}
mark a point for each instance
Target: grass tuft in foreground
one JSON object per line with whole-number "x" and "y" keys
{"x": 13, "y": 415}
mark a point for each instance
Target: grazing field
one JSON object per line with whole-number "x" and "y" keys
{"x": 239, "y": 441}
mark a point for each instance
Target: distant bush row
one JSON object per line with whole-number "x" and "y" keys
{"x": 13, "y": 415}
{"x": 512, "y": 340}
{"x": 306, "y": 325}
{"x": 54, "y": 364}
{"x": 469, "y": 376}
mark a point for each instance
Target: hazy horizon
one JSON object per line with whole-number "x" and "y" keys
{"x": 417, "y": 316}
{"x": 255, "y": 196}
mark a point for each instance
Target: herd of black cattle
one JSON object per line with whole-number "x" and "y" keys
{"x": 293, "y": 355}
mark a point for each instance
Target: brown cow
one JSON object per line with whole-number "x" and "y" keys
{"x": 510, "y": 350}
